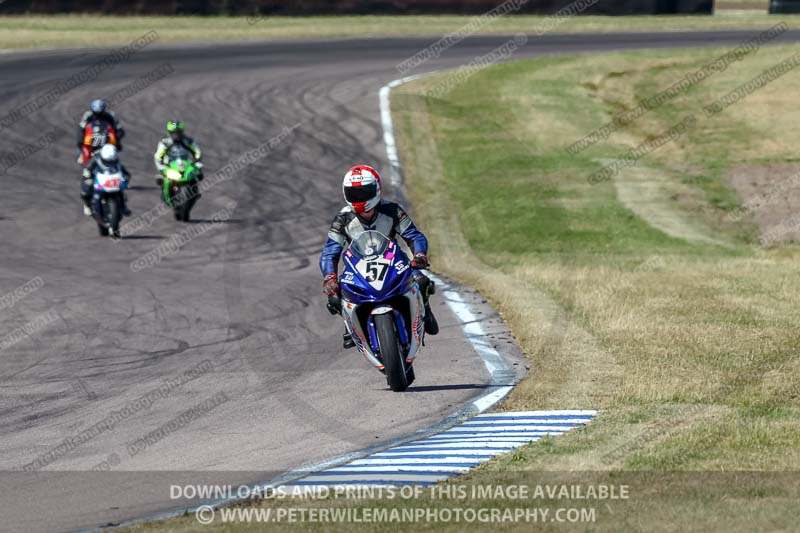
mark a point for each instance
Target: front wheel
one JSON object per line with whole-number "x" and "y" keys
{"x": 113, "y": 210}
{"x": 182, "y": 202}
{"x": 101, "y": 216}
{"x": 394, "y": 364}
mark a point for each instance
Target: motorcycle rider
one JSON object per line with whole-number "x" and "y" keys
{"x": 168, "y": 146}
{"x": 365, "y": 211}
{"x": 98, "y": 110}
{"x": 107, "y": 158}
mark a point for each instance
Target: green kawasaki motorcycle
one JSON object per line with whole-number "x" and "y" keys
{"x": 180, "y": 187}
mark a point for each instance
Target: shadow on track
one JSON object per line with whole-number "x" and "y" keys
{"x": 142, "y": 237}
{"x": 209, "y": 221}
{"x": 433, "y": 388}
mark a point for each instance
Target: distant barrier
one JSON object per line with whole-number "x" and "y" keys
{"x": 332, "y": 7}
{"x": 784, "y": 6}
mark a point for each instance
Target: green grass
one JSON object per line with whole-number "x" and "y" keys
{"x": 31, "y": 31}
{"x": 691, "y": 356}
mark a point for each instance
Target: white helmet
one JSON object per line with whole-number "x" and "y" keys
{"x": 362, "y": 188}
{"x": 108, "y": 154}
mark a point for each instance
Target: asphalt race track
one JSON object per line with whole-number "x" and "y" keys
{"x": 240, "y": 303}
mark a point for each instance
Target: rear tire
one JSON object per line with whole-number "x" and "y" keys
{"x": 391, "y": 353}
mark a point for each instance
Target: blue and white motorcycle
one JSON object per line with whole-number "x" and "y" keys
{"x": 109, "y": 186}
{"x": 382, "y": 306}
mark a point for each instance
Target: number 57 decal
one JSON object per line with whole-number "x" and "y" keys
{"x": 376, "y": 271}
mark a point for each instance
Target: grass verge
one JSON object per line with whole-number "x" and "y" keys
{"x": 32, "y": 31}
{"x": 677, "y": 324}
{"x": 640, "y": 295}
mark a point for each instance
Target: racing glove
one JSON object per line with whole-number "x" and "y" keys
{"x": 330, "y": 285}
{"x": 420, "y": 261}
{"x": 334, "y": 305}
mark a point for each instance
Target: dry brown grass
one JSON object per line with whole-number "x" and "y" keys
{"x": 578, "y": 372}
{"x": 706, "y": 338}
{"x": 70, "y": 30}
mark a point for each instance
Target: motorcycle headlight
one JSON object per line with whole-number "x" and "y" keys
{"x": 173, "y": 174}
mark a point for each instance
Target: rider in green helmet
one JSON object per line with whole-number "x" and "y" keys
{"x": 169, "y": 147}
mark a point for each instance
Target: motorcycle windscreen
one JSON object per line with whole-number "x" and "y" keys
{"x": 369, "y": 244}
{"x": 377, "y": 260}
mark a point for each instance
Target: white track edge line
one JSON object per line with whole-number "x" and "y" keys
{"x": 471, "y": 327}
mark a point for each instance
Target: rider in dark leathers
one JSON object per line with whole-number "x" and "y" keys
{"x": 366, "y": 211}
{"x": 99, "y": 163}
{"x": 98, "y": 110}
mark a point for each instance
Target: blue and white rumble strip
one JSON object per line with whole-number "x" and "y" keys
{"x": 452, "y": 452}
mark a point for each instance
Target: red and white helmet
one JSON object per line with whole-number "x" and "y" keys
{"x": 362, "y": 188}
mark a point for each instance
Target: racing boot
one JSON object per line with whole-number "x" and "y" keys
{"x": 428, "y": 287}
{"x": 431, "y": 325}
{"x": 347, "y": 340}
{"x": 86, "y": 197}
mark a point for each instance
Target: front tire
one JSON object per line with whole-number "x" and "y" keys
{"x": 182, "y": 202}
{"x": 100, "y": 217}
{"x": 112, "y": 204}
{"x": 391, "y": 353}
